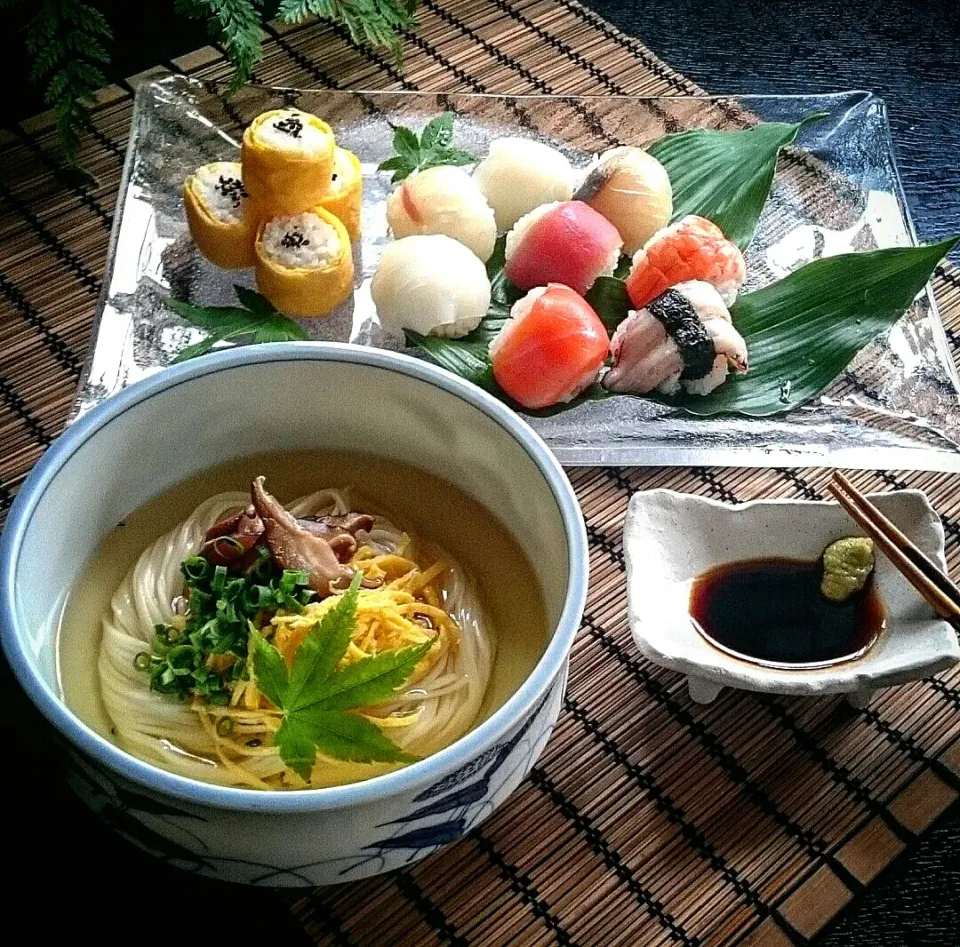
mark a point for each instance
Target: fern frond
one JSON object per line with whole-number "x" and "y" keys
{"x": 236, "y": 23}
{"x": 66, "y": 39}
{"x": 370, "y": 22}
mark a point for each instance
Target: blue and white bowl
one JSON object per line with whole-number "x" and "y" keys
{"x": 282, "y": 397}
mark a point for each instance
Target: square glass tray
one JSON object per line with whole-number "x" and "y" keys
{"x": 837, "y": 190}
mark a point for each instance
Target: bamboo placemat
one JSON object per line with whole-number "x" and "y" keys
{"x": 649, "y": 819}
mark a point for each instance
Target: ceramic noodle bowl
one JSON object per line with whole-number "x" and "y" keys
{"x": 270, "y": 399}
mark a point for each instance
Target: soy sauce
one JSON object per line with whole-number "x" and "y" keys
{"x": 772, "y": 611}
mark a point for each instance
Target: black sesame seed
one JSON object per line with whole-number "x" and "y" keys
{"x": 291, "y": 126}
{"x": 294, "y": 239}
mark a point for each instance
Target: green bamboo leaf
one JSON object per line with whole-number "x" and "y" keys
{"x": 463, "y": 357}
{"x": 610, "y": 301}
{"x": 803, "y": 330}
{"x": 725, "y": 176}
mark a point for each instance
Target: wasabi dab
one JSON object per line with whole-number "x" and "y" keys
{"x": 847, "y": 565}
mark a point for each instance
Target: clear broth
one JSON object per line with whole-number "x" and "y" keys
{"x": 419, "y": 502}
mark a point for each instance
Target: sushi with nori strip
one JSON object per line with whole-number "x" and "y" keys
{"x": 632, "y": 190}
{"x": 219, "y": 216}
{"x": 566, "y": 242}
{"x": 550, "y": 349}
{"x": 682, "y": 339}
{"x": 692, "y": 249}
{"x": 519, "y": 174}
{"x": 304, "y": 263}
{"x": 443, "y": 200}
{"x": 344, "y": 198}
{"x": 287, "y": 158}
{"x": 432, "y": 285}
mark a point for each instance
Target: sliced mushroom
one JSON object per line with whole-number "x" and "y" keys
{"x": 294, "y": 547}
{"x": 340, "y": 531}
{"x": 231, "y": 542}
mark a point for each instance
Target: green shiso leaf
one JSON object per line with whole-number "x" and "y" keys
{"x": 725, "y": 176}
{"x": 253, "y": 323}
{"x": 803, "y": 330}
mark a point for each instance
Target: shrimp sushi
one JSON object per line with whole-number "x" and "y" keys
{"x": 287, "y": 158}
{"x": 344, "y": 197}
{"x": 443, "y": 200}
{"x": 431, "y": 285}
{"x": 566, "y": 242}
{"x": 519, "y": 174}
{"x": 682, "y": 339}
{"x": 550, "y": 349}
{"x": 219, "y": 216}
{"x": 694, "y": 248}
{"x": 632, "y": 190}
{"x": 304, "y": 263}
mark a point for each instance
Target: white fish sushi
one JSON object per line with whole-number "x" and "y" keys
{"x": 683, "y": 339}
{"x": 443, "y": 200}
{"x": 519, "y": 174}
{"x": 432, "y": 285}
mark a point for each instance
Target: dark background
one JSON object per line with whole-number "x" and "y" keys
{"x": 95, "y": 885}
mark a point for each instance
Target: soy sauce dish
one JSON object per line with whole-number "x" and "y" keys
{"x": 312, "y": 616}
{"x": 730, "y": 596}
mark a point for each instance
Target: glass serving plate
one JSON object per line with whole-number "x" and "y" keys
{"x": 838, "y": 190}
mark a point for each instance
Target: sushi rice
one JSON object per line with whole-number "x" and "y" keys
{"x": 300, "y": 240}
{"x": 293, "y": 131}
{"x": 220, "y": 189}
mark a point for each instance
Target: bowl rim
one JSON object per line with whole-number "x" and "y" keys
{"x": 410, "y": 778}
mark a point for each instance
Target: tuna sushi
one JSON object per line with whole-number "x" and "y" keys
{"x": 567, "y": 243}
{"x": 519, "y": 174}
{"x": 631, "y": 189}
{"x": 692, "y": 249}
{"x": 218, "y": 214}
{"x": 287, "y": 158}
{"x": 304, "y": 263}
{"x": 550, "y": 349}
{"x": 682, "y": 339}
{"x": 344, "y": 197}
{"x": 443, "y": 200}
{"x": 432, "y": 285}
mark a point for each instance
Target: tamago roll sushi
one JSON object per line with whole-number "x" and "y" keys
{"x": 304, "y": 263}
{"x": 692, "y": 249}
{"x": 632, "y": 190}
{"x": 219, "y": 216}
{"x": 566, "y": 242}
{"x": 344, "y": 199}
{"x": 550, "y": 349}
{"x": 287, "y": 158}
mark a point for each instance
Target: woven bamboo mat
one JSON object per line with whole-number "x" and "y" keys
{"x": 649, "y": 819}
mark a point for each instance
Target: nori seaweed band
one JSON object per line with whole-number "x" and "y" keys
{"x": 682, "y": 323}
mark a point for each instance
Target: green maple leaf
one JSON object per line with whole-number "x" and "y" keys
{"x": 316, "y": 698}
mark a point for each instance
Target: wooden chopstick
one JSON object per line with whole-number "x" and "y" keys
{"x": 918, "y": 569}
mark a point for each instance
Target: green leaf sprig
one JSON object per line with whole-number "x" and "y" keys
{"x": 253, "y": 322}
{"x": 236, "y": 23}
{"x": 725, "y": 176}
{"x": 434, "y": 147}
{"x": 315, "y": 696}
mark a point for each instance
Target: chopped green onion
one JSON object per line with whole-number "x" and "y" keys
{"x": 195, "y": 568}
{"x": 142, "y": 661}
{"x": 225, "y": 726}
{"x": 219, "y": 578}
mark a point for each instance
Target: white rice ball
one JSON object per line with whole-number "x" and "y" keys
{"x": 443, "y": 200}
{"x": 431, "y": 285}
{"x": 303, "y": 241}
{"x": 519, "y": 174}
